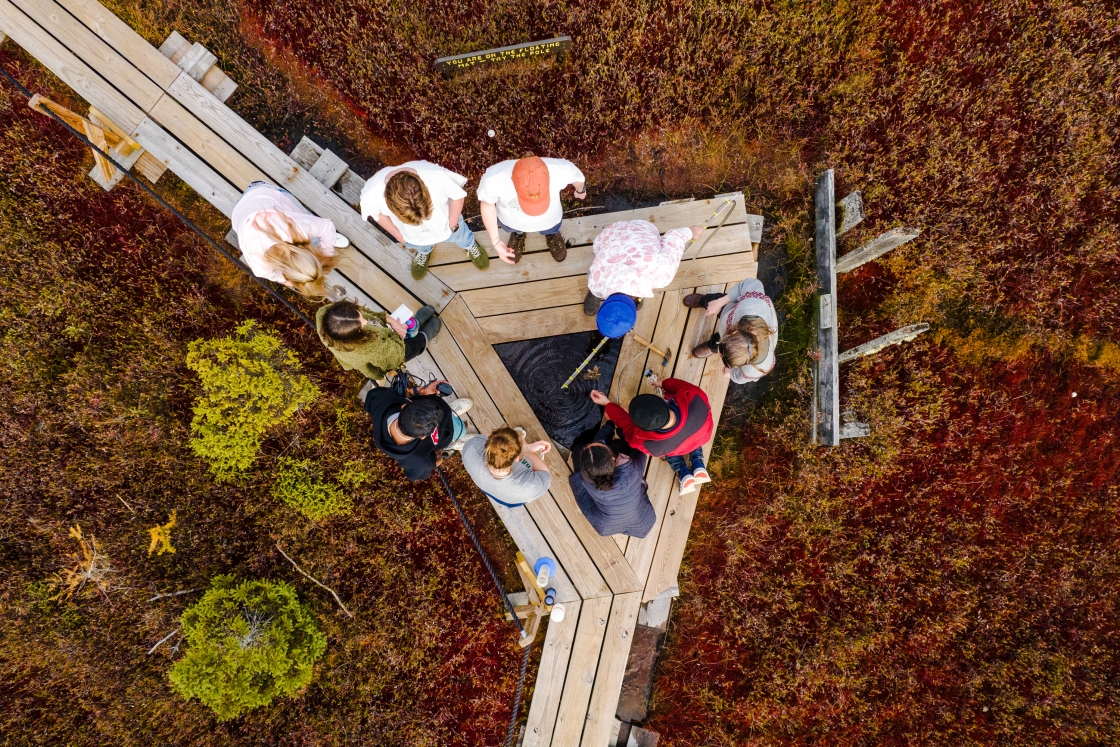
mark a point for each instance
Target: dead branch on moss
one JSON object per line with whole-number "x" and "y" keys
{"x": 91, "y": 566}
{"x": 171, "y": 594}
{"x": 313, "y": 579}
{"x": 162, "y": 641}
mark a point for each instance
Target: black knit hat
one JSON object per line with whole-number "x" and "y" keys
{"x": 649, "y": 412}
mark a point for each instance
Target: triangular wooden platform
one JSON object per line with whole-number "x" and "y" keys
{"x": 602, "y": 581}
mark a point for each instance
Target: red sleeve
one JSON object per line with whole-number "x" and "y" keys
{"x": 621, "y": 418}
{"x": 682, "y": 391}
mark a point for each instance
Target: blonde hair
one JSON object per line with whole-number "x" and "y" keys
{"x": 503, "y": 447}
{"x": 297, "y": 259}
{"x": 742, "y": 348}
{"x": 408, "y": 198}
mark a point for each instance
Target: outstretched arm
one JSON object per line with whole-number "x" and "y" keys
{"x": 489, "y": 212}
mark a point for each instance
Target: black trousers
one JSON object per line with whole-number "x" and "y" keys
{"x": 414, "y": 346}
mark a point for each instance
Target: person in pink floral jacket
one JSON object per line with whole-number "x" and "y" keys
{"x": 632, "y": 257}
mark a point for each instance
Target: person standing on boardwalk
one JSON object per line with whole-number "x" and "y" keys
{"x": 609, "y": 486}
{"x": 631, "y": 257}
{"x": 421, "y": 205}
{"x": 523, "y": 196}
{"x": 507, "y": 469}
{"x": 415, "y": 430}
{"x": 746, "y": 334}
{"x": 371, "y": 341}
{"x": 675, "y": 427}
{"x": 282, "y": 242}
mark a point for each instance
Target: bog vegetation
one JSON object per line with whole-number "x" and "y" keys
{"x": 953, "y": 579}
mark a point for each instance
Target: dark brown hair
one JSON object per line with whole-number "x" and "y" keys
{"x": 408, "y": 198}
{"x": 596, "y": 464}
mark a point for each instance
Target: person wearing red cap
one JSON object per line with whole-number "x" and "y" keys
{"x": 523, "y": 196}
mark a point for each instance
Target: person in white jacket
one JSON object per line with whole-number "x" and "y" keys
{"x": 281, "y": 241}
{"x": 632, "y": 257}
{"x": 746, "y": 334}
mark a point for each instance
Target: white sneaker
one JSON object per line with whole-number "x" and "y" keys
{"x": 701, "y": 476}
{"x": 364, "y": 391}
{"x": 340, "y": 241}
{"x": 689, "y": 485}
{"x": 461, "y": 406}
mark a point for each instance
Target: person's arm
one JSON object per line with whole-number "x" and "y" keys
{"x": 489, "y": 212}
{"x": 454, "y": 210}
{"x": 621, "y": 418}
{"x": 396, "y": 326}
{"x": 532, "y": 452}
{"x": 386, "y": 222}
{"x": 606, "y": 432}
{"x": 743, "y": 287}
{"x": 576, "y": 179}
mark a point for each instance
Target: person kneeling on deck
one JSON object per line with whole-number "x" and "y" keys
{"x": 281, "y": 241}
{"x": 675, "y": 428}
{"x": 415, "y": 430}
{"x": 371, "y": 341}
{"x": 421, "y": 205}
{"x": 609, "y": 486}
{"x": 631, "y": 257}
{"x": 505, "y": 468}
{"x": 749, "y": 326}
{"x": 523, "y": 196}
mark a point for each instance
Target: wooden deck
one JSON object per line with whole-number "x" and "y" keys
{"x": 603, "y": 581}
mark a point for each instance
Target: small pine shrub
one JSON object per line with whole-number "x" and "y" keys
{"x": 250, "y": 382}
{"x": 300, "y": 484}
{"x": 247, "y": 643}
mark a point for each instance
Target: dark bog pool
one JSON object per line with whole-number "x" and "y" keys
{"x": 540, "y": 367}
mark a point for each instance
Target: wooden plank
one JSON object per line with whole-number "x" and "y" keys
{"x": 828, "y": 374}
{"x": 541, "y": 294}
{"x": 219, "y": 84}
{"x": 612, "y": 668}
{"x": 211, "y": 148}
{"x": 173, "y": 48}
{"x": 633, "y": 355}
{"x": 555, "y": 655}
{"x": 582, "y": 665}
{"x": 392, "y": 284}
{"x": 533, "y": 545}
{"x": 494, "y": 376}
{"x": 583, "y": 230}
{"x": 120, "y": 36}
{"x": 673, "y": 538}
{"x": 875, "y": 248}
{"x": 197, "y": 62}
{"x": 187, "y": 166}
{"x": 328, "y": 169}
{"x": 306, "y": 152}
{"x": 899, "y": 336}
{"x": 458, "y": 372}
{"x": 65, "y": 64}
{"x": 532, "y": 324}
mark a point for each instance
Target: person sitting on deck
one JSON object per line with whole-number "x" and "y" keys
{"x": 609, "y": 486}
{"x": 281, "y": 241}
{"x": 415, "y": 431}
{"x": 421, "y": 205}
{"x": 523, "y": 196}
{"x": 505, "y": 468}
{"x": 632, "y": 257}
{"x": 675, "y": 428}
{"x": 371, "y": 341}
{"x": 749, "y": 327}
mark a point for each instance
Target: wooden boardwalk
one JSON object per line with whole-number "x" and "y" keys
{"x": 175, "y": 110}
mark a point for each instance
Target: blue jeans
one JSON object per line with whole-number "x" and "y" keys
{"x": 680, "y": 466}
{"x": 545, "y": 232}
{"x": 463, "y": 236}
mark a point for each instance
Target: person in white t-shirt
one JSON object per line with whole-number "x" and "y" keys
{"x": 523, "y": 196}
{"x": 421, "y": 205}
{"x": 282, "y": 242}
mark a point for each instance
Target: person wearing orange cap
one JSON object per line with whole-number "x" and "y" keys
{"x": 523, "y": 196}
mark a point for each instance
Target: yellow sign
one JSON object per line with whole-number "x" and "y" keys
{"x": 460, "y": 62}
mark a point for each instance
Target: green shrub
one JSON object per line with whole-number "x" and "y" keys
{"x": 247, "y": 643}
{"x": 300, "y": 484}
{"x": 250, "y": 382}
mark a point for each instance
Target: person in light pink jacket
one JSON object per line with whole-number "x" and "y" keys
{"x": 632, "y": 257}
{"x": 281, "y": 241}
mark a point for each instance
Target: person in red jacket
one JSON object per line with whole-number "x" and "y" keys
{"x": 675, "y": 427}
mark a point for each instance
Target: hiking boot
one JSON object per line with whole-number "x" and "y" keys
{"x": 591, "y": 304}
{"x": 557, "y": 246}
{"x": 423, "y": 315}
{"x": 479, "y": 257}
{"x": 340, "y": 241}
{"x": 694, "y": 300}
{"x": 431, "y": 329}
{"x": 516, "y": 245}
{"x": 703, "y": 350}
{"x": 420, "y": 265}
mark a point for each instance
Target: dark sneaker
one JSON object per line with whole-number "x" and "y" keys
{"x": 557, "y": 246}
{"x": 638, "y": 303}
{"x": 591, "y": 304}
{"x": 423, "y": 315}
{"x": 420, "y": 265}
{"x": 703, "y": 350}
{"x": 516, "y": 245}
{"x": 478, "y": 256}
{"x": 694, "y": 300}
{"x": 432, "y": 327}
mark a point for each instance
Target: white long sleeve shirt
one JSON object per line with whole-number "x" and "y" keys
{"x": 632, "y": 257}
{"x": 748, "y": 298}
{"x": 268, "y": 202}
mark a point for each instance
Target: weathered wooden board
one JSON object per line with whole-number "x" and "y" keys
{"x": 827, "y": 367}
{"x": 612, "y": 667}
{"x": 633, "y": 356}
{"x": 539, "y": 294}
{"x": 875, "y": 248}
{"x": 529, "y": 325}
{"x": 555, "y": 656}
{"x": 120, "y": 36}
{"x": 187, "y": 166}
{"x": 582, "y": 666}
{"x": 211, "y": 148}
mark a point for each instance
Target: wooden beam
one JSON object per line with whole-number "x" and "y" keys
{"x": 583, "y": 663}
{"x": 851, "y": 212}
{"x": 328, "y": 169}
{"x": 551, "y": 673}
{"x": 187, "y": 166}
{"x": 828, "y": 375}
{"x": 502, "y": 388}
{"x": 632, "y": 356}
{"x": 222, "y": 157}
{"x": 529, "y": 325}
{"x": 899, "y": 336}
{"x": 392, "y": 283}
{"x": 612, "y": 668}
{"x": 583, "y": 230}
{"x": 875, "y": 248}
{"x": 120, "y": 36}
{"x": 530, "y": 296}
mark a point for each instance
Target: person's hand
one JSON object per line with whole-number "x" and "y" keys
{"x": 599, "y": 398}
{"x": 396, "y": 326}
{"x": 431, "y": 388}
{"x": 504, "y": 252}
{"x": 580, "y": 194}
{"x": 696, "y": 231}
{"x": 714, "y": 306}
{"x": 540, "y": 447}
{"x": 726, "y": 372}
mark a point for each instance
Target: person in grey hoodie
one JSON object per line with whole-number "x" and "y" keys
{"x": 609, "y": 486}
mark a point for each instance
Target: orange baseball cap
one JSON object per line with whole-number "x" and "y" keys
{"x": 530, "y": 179}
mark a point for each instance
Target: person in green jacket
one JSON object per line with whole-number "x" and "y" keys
{"x": 372, "y": 342}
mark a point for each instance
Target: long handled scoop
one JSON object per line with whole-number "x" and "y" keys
{"x": 585, "y": 362}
